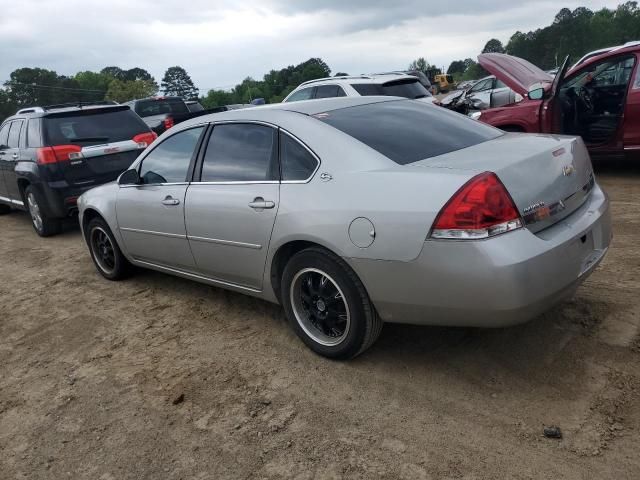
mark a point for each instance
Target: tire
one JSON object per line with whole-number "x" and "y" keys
{"x": 44, "y": 225}
{"x": 4, "y": 209}
{"x": 334, "y": 317}
{"x": 105, "y": 252}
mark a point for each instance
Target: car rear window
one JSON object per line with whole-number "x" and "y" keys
{"x": 409, "y": 88}
{"x": 409, "y": 131}
{"x": 148, "y": 108}
{"x": 92, "y": 127}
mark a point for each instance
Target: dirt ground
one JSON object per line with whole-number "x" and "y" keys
{"x": 158, "y": 377}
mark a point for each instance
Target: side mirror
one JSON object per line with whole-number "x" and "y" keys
{"x": 130, "y": 177}
{"x": 536, "y": 94}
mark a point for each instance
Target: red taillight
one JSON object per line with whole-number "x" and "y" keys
{"x": 168, "y": 123}
{"x": 59, "y": 153}
{"x": 481, "y": 208}
{"x": 145, "y": 139}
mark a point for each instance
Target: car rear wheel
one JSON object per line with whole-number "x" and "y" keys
{"x": 44, "y": 225}
{"x": 327, "y": 305}
{"x": 105, "y": 253}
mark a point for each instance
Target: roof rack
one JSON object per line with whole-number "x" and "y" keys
{"x": 22, "y": 111}
{"x": 345, "y": 77}
{"x": 79, "y": 104}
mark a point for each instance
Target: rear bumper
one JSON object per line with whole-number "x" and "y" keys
{"x": 61, "y": 199}
{"x": 505, "y": 280}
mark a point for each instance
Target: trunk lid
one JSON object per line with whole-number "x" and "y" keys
{"x": 548, "y": 177}
{"x": 515, "y": 72}
{"x": 105, "y": 137}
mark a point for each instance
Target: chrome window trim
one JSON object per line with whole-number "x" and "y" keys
{"x": 151, "y": 232}
{"x": 313, "y": 154}
{"x": 238, "y": 182}
{"x": 154, "y": 184}
{"x": 9, "y": 200}
{"x": 232, "y": 243}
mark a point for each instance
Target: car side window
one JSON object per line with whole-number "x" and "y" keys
{"x": 484, "y": 85}
{"x": 33, "y": 133}
{"x": 14, "y": 134}
{"x": 240, "y": 152}
{"x": 329, "y": 91}
{"x": 4, "y": 134}
{"x": 296, "y": 162}
{"x": 304, "y": 94}
{"x": 169, "y": 161}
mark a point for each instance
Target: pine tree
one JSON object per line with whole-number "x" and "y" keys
{"x": 177, "y": 82}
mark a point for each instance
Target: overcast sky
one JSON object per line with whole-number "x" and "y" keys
{"x": 220, "y": 42}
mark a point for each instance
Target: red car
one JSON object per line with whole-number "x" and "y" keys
{"x": 598, "y": 100}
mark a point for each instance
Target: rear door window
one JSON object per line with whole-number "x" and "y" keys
{"x": 240, "y": 153}
{"x": 409, "y": 88}
{"x": 329, "y": 91}
{"x": 148, "y": 108}
{"x": 407, "y": 131}
{"x": 296, "y": 162}
{"x": 92, "y": 127}
{"x": 304, "y": 94}
{"x": 169, "y": 161}
{"x": 14, "y": 134}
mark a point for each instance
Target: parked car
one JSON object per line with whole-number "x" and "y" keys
{"x": 162, "y": 113}
{"x": 598, "y": 100}
{"x": 392, "y": 84}
{"x": 51, "y": 155}
{"x": 486, "y": 93}
{"x": 194, "y": 106}
{"x": 349, "y": 221}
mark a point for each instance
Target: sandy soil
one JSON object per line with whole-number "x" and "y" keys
{"x": 158, "y": 377}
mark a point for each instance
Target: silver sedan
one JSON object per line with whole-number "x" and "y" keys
{"x": 352, "y": 212}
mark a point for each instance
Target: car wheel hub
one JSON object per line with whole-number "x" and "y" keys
{"x": 103, "y": 250}
{"x": 34, "y": 211}
{"x": 320, "y": 307}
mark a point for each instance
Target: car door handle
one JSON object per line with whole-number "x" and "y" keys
{"x": 170, "y": 201}
{"x": 260, "y": 203}
{"x": 14, "y": 156}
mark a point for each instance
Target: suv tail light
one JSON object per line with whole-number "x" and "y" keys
{"x": 482, "y": 208}
{"x": 145, "y": 139}
{"x": 168, "y": 123}
{"x": 59, "y": 153}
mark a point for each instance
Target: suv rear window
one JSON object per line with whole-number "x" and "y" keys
{"x": 147, "y": 108}
{"x": 92, "y": 127}
{"x": 407, "y": 131}
{"x": 409, "y": 88}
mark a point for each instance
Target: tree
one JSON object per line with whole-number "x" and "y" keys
{"x": 493, "y": 46}
{"x": 457, "y": 67}
{"x": 95, "y": 82}
{"x": 38, "y": 86}
{"x": 419, "y": 64}
{"x": 114, "y": 72}
{"x": 177, "y": 82}
{"x": 123, "y": 91}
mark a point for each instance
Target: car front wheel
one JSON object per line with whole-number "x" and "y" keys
{"x": 105, "y": 252}
{"x": 327, "y": 305}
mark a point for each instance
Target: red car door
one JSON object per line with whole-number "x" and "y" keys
{"x": 631, "y": 125}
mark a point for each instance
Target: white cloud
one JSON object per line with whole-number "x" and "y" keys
{"x": 219, "y": 43}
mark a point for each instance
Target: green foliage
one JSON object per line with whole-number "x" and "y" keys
{"x": 125, "y": 90}
{"x": 420, "y": 64}
{"x": 575, "y": 33}
{"x": 273, "y": 87}
{"x": 493, "y": 46}
{"x": 177, "y": 82}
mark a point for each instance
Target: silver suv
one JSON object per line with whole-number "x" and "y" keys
{"x": 387, "y": 84}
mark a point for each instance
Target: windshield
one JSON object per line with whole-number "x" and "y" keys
{"x": 409, "y": 88}
{"x": 148, "y": 108}
{"x": 407, "y": 131}
{"x": 92, "y": 128}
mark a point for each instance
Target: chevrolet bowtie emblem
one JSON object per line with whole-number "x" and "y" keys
{"x": 567, "y": 170}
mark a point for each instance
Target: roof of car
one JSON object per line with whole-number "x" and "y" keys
{"x": 305, "y": 107}
{"x": 372, "y": 78}
{"x": 35, "y": 112}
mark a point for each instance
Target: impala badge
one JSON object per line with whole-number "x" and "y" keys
{"x": 325, "y": 177}
{"x": 568, "y": 170}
